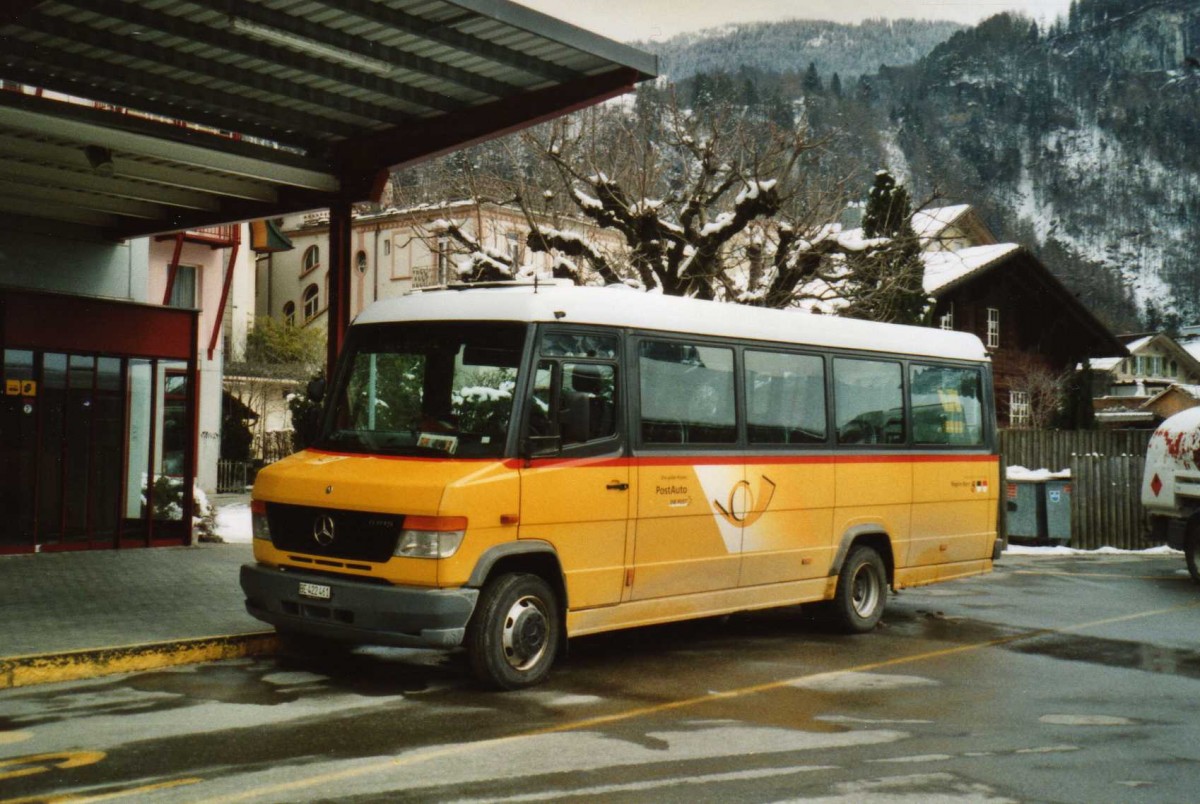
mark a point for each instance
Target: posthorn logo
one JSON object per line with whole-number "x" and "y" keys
{"x": 323, "y": 530}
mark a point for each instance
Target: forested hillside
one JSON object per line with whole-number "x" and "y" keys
{"x": 790, "y": 46}
{"x": 1081, "y": 141}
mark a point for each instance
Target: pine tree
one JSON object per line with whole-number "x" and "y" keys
{"x": 889, "y": 208}
{"x": 835, "y": 86}
{"x": 812, "y": 80}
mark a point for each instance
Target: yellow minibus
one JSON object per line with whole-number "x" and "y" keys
{"x": 502, "y": 468}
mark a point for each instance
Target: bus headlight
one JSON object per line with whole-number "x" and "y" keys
{"x": 259, "y": 526}
{"x": 431, "y": 536}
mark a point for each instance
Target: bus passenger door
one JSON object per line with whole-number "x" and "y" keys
{"x": 575, "y": 489}
{"x": 787, "y": 500}
{"x": 686, "y": 540}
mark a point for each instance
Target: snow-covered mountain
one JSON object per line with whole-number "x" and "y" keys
{"x": 1081, "y": 141}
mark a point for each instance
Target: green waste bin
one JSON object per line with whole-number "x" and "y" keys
{"x": 1058, "y": 510}
{"x": 1025, "y": 506}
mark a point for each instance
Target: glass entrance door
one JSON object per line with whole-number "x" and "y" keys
{"x": 94, "y": 452}
{"x": 79, "y": 421}
{"x": 18, "y": 451}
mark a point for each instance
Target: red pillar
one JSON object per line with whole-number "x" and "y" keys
{"x": 338, "y": 311}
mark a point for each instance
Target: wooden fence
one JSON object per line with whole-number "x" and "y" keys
{"x": 1106, "y": 479}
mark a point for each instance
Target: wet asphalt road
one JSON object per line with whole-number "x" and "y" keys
{"x": 1071, "y": 679}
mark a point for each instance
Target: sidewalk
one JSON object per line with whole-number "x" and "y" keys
{"x": 78, "y": 614}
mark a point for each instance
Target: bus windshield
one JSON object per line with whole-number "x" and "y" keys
{"x": 428, "y": 389}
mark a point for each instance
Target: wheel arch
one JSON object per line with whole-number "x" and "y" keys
{"x": 872, "y": 535}
{"x": 532, "y": 556}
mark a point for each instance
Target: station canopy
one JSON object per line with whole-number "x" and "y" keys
{"x": 136, "y": 117}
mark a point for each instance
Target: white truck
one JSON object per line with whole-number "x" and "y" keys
{"x": 1171, "y": 486}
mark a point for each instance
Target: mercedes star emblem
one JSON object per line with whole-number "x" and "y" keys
{"x": 323, "y": 530}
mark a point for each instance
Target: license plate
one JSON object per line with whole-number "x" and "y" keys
{"x": 314, "y": 590}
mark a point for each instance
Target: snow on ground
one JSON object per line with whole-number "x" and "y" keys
{"x": 1062, "y": 550}
{"x": 233, "y": 523}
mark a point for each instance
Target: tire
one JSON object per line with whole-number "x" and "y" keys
{"x": 861, "y": 595}
{"x": 1191, "y": 547}
{"x": 514, "y": 635}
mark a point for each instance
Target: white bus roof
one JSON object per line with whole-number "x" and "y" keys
{"x": 625, "y": 307}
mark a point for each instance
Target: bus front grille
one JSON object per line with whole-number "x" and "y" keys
{"x": 331, "y": 533}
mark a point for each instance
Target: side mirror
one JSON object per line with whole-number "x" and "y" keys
{"x": 316, "y": 389}
{"x": 541, "y": 446}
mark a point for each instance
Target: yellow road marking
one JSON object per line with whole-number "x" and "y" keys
{"x": 40, "y": 763}
{"x": 10, "y": 737}
{"x": 276, "y": 790}
{"x": 70, "y": 798}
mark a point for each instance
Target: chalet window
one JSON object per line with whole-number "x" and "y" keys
{"x": 1018, "y": 408}
{"x": 360, "y": 262}
{"x": 312, "y": 258}
{"x": 387, "y": 247}
{"x": 993, "y": 327}
{"x": 947, "y": 319}
{"x": 289, "y": 314}
{"x": 311, "y": 302}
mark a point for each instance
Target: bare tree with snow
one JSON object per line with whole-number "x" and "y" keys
{"x": 726, "y": 207}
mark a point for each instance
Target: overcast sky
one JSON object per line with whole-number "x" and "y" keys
{"x": 627, "y": 20}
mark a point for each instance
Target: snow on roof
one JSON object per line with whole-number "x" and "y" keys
{"x": 929, "y": 223}
{"x": 1192, "y": 348}
{"x": 1102, "y": 363}
{"x": 1138, "y": 343}
{"x": 623, "y": 307}
{"x": 944, "y": 268}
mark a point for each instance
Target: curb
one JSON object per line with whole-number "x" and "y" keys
{"x": 48, "y": 668}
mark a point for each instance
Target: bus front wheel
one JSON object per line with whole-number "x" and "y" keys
{"x": 861, "y": 594}
{"x": 514, "y": 634}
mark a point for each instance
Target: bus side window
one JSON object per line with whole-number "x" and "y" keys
{"x": 869, "y": 401}
{"x": 785, "y": 398}
{"x": 575, "y": 401}
{"x": 588, "y": 407}
{"x": 686, "y": 394}
{"x": 947, "y": 405}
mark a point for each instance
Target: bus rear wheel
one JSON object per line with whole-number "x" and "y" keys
{"x": 861, "y": 595}
{"x": 514, "y": 634}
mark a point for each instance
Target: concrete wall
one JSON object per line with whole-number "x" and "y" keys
{"x": 211, "y": 264}
{"x": 64, "y": 265}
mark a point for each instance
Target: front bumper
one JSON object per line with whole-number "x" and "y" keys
{"x": 359, "y": 611}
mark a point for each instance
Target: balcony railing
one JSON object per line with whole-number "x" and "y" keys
{"x": 215, "y": 236}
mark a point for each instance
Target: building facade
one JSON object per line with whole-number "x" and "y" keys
{"x": 112, "y": 393}
{"x": 393, "y": 253}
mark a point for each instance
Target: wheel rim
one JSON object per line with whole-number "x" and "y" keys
{"x": 864, "y": 593}
{"x": 526, "y": 633}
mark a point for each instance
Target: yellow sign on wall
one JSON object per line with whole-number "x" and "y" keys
{"x": 28, "y": 388}
{"x": 12, "y": 387}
